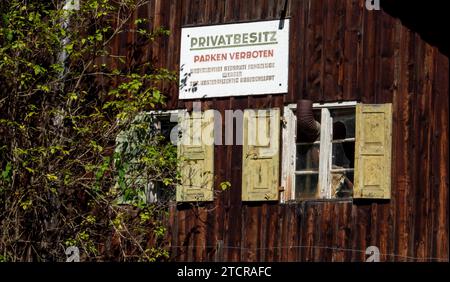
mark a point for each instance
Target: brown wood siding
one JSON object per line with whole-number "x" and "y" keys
{"x": 339, "y": 51}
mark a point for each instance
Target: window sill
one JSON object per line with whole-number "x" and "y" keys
{"x": 318, "y": 201}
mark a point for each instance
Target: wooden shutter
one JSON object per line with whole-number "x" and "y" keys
{"x": 373, "y": 151}
{"x": 260, "y": 155}
{"x": 196, "y": 153}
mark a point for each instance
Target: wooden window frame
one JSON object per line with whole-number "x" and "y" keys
{"x": 289, "y": 150}
{"x": 152, "y": 197}
{"x": 173, "y": 117}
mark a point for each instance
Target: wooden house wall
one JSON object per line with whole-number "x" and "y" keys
{"x": 338, "y": 51}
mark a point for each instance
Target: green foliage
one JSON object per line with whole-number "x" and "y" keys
{"x": 6, "y": 174}
{"x": 63, "y": 109}
{"x": 142, "y": 158}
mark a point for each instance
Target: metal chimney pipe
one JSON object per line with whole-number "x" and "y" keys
{"x": 308, "y": 129}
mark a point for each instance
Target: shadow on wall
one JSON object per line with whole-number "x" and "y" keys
{"x": 428, "y": 18}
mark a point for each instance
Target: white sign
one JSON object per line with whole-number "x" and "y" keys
{"x": 234, "y": 59}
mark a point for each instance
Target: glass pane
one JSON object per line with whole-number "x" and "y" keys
{"x": 343, "y": 123}
{"x": 166, "y": 130}
{"x": 307, "y": 157}
{"x": 306, "y": 186}
{"x": 343, "y": 155}
{"x": 164, "y": 193}
{"x": 342, "y": 184}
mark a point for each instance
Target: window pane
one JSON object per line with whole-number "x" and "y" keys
{"x": 343, "y": 155}
{"x": 166, "y": 130}
{"x": 307, "y": 157}
{"x": 164, "y": 193}
{"x": 343, "y": 123}
{"x": 342, "y": 184}
{"x": 306, "y": 185}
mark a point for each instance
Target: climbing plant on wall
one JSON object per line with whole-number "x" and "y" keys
{"x": 65, "y": 96}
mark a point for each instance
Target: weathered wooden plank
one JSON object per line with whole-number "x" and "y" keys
{"x": 222, "y": 199}
{"x": 200, "y": 234}
{"x": 403, "y": 179}
{"x": 235, "y": 202}
{"x": 314, "y": 51}
{"x": 333, "y": 43}
{"x": 348, "y": 231}
{"x": 172, "y": 237}
{"x": 308, "y": 242}
{"x": 352, "y": 50}
{"x": 441, "y": 155}
{"x": 418, "y": 235}
{"x": 339, "y": 51}
{"x": 322, "y": 238}
{"x": 341, "y": 238}
{"x": 426, "y": 147}
{"x": 189, "y": 241}
{"x": 271, "y": 232}
{"x": 369, "y": 35}
{"x": 181, "y": 243}
{"x": 296, "y": 48}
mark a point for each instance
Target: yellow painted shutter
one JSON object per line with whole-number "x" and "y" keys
{"x": 260, "y": 155}
{"x": 373, "y": 151}
{"x": 196, "y": 152}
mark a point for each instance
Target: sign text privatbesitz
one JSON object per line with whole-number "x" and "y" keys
{"x": 234, "y": 60}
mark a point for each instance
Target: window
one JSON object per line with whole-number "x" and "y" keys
{"x": 165, "y": 123}
{"x": 137, "y": 154}
{"x": 342, "y": 152}
{"x": 337, "y": 151}
{"x": 321, "y": 166}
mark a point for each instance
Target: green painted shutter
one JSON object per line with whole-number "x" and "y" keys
{"x": 260, "y": 155}
{"x": 196, "y": 157}
{"x": 373, "y": 151}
